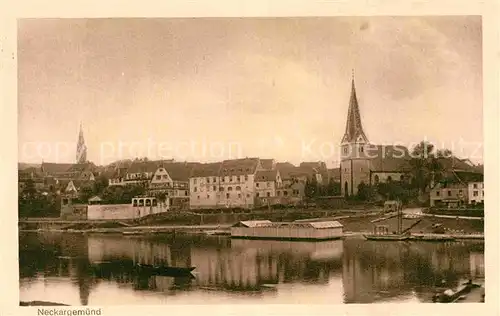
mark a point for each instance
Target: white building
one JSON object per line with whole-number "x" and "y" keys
{"x": 204, "y": 186}
{"x": 475, "y": 192}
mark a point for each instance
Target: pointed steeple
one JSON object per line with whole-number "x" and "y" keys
{"x": 354, "y": 129}
{"x": 81, "y": 148}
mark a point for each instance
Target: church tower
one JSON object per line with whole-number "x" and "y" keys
{"x": 354, "y": 163}
{"x": 81, "y": 148}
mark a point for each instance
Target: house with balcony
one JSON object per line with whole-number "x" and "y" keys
{"x": 141, "y": 172}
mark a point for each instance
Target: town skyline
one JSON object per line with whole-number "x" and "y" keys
{"x": 238, "y": 85}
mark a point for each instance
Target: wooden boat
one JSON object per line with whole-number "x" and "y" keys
{"x": 387, "y": 237}
{"x": 105, "y": 268}
{"x": 454, "y": 295}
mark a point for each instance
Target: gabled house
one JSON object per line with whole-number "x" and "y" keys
{"x": 172, "y": 180}
{"x": 267, "y": 182}
{"x": 141, "y": 172}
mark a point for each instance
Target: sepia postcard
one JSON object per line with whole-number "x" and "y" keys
{"x": 284, "y": 159}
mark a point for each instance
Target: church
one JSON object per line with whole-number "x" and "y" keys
{"x": 362, "y": 162}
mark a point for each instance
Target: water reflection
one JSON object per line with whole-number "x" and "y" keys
{"x": 355, "y": 271}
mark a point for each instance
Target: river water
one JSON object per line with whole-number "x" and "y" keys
{"x": 67, "y": 268}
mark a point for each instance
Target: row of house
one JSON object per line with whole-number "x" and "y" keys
{"x": 246, "y": 182}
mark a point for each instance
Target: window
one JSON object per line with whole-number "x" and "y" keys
{"x": 376, "y": 179}
{"x": 195, "y": 189}
{"x": 238, "y": 178}
{"x": 345, "y": 150}
{"x": 389, "y": 179}
{"x": 214, "y": 188}
{"x": 158, "y": 177}
{"x": 361, "y": 149}
{"x": 460, "y": 192}
{"x": 239, "y": 195}
{"x": 257, "y": 184}
{"x": 208, "y": 196}
{"x": 221, "y": 189}
{"x": 475, "y": 185}
{"x": 257, "y": 194}
{"x": 285, "y": 193}
{"x": 208, "y": 180}
{"x": 475, "y": 193}
{"x": 141, "y": 202}
{"x": 269, "y": 184}
{"x": 449, "y": 192}
{"x": 134, "y": 202}
{"x": 148, "y": 202}
{"x": 238, "y": 188}
{"x": 185, "y": 193}
{"x": 246, "y": 178}
{"x": 234, "y": 178}
{"x": 248, "y": 195}
{"x": 194, "y": 181}
{"x": 227, "y": 195}
{"x": 268, "y": 194}
{"x": 155, "y": 203}
{"x": 278, "y": 193}
{"x": 230, "y": 189}
{"x": 437, "y": 193}
{"x": 198, "y": 197}
{"x": 214, "y": 179}
{"x": 221, "y": 179}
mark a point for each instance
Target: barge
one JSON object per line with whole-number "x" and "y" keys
{"x": 293, "y": 231}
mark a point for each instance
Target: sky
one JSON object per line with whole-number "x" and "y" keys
{"x": 207, "y": 89}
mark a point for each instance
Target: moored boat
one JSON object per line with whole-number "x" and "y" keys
{"x": 454, "y": 295}
{"x": 387, "y": 237}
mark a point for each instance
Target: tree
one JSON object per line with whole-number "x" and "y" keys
{"x": 311, "y": 188}
{"x": 364, "y": 192}
{"x": 85, "y": 193}
{"x": 333, "y": 188}
{"x": 425, "y": 165}
{"x": 100, "y": 184}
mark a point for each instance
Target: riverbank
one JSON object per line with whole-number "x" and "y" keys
{"x": 355, "y": 224}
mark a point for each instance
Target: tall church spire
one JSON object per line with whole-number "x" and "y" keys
{"x": 354, "y": 130}
{"x": 81, "y": 148}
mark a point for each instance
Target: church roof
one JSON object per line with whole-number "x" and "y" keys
{"x": 354, "y": 129}
{"x": 389, "y": 158}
